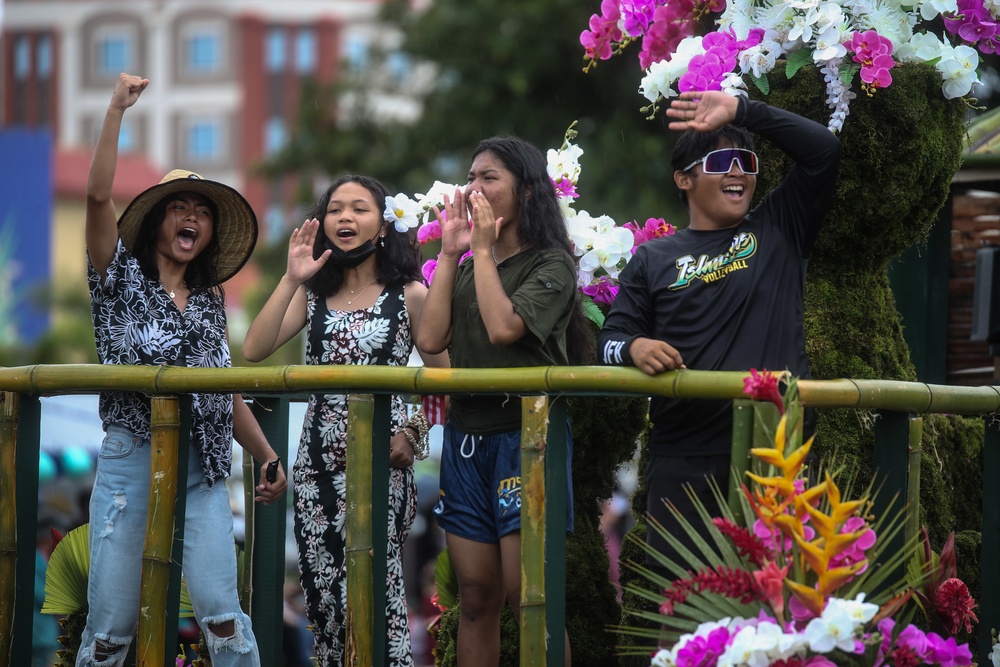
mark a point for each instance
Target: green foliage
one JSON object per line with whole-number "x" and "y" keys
{"x": 503, "y": 68}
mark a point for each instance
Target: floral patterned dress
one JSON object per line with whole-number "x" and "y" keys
{"x": 377, "y": 335}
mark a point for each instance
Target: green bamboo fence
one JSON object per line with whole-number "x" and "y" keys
{"x": 164, "y": 427}
{"x": 8, "y": 523}
{"x": 359, "y": 541}
{"x": 897, "y": 400}
{"x": 534, "y": 425}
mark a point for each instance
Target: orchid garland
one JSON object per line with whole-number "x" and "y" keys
{"x": 843, "y": 38}
{"x": 602, "y": 247}
{"x": 799, "y": 574}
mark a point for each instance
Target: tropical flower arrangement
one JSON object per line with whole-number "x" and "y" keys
{"x": 792, "y": 584}
{"x": 843, "y": 38}
{"x": 602, "y": 247}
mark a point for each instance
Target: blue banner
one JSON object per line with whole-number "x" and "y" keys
{"x": 26, "y": 204}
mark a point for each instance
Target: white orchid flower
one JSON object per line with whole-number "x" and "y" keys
{"x": 612, "y": 247}
{"x": 829, "y": 45}
{"x": 435, "y": 196}
{"x": 930, "y": 9}
{"x": 402, "y": 212}
{"x": 959, "y": 71}
{"x": 564, "y": 163}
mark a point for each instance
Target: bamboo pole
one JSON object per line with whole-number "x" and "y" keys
{"x": 164, "y": 428}
{"x": 534, "y": 427}
{"x": 913, "y": 480}
{"x": 8, "y": 522}
{"x": 249, "y": 512}
{"x": 916, "y": 397}
{"x": 359, "y": 542}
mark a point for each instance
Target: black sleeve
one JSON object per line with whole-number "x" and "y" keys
{"x": 630, "y": 314}
{"x": 800, "y": 203}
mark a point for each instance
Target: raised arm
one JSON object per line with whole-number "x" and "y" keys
{"x": 102, "y": 222}
{"x": 284, "y": 314}
{"x": 434, "y": 333}
{"x": 416, "y": 297}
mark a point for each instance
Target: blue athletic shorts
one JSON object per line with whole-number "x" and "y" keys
{"x": 480, "y": 496}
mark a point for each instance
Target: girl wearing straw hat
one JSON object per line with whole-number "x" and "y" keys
{"x": 353, "y": 281}
{"x": 155, "y": 281}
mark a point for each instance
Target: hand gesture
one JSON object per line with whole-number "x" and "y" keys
{"x": 652, "y": 356}
{"x": 400, "y": 451}
{"x": 455, "y": 234}
{"x": 268, "y": 492}
{"x": 127, "y": 90}
{"x": 301, "y": 264}
{"x": 702, "y": 111}
{"x": 485, "y": 227}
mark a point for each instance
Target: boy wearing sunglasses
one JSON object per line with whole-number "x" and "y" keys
{"x": 725, "y": 293}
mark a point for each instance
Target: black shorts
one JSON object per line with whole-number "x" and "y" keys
{"x": 666, "y": 478}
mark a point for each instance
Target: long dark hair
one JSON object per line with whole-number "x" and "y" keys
{"x": 201, "y": 273}
{"x": 397, "y": 255}
{"x": 540, "y": 224}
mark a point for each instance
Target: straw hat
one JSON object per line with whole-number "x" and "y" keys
{"x": 236, "y": 228}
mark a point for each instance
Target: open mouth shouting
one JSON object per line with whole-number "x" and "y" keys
{"x": 186, "y": 237}
{"x": 734, "y": 191}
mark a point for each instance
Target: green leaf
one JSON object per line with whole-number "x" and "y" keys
{"x": 795, "y": 61}
{"x": 445, "y": 581}
{"x": 847, "y": 73}
{"x": 67, "y": 574}
{"x": 592, "y": 311}
{"x": 763, "y": 85}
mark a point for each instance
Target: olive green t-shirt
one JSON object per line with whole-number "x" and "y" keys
{"x": 542, "y": 288}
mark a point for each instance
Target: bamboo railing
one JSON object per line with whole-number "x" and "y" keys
{"x": 542, "y": 585}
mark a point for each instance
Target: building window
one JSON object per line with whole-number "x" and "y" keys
{"x": 275, "y": 50}
{"x": 305, "y": 51}
{"x": 44, "y": 57}
{"x": 399, "y": 67}
{"x": 114, "y": 53}
{"x": 356, "y": 53}
{"x": 204, "y": 141}
{"x": 275, "y": 135}
{"x": 126, "y": 137}
{"x": 203, "y": 51}
{"x": 22, "y": 58}
{"x": 274, "y": 223}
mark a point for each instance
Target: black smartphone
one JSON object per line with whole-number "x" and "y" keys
{"x": 272, "y": 471}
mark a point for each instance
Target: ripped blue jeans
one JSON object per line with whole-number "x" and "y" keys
{"x": 118, "y": 508}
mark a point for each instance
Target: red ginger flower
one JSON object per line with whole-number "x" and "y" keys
{"x": 763, "y": 386}
{"x": 747, "y": 544}
{"x": 724, "y": 580}
{"x": 955, "y": 605}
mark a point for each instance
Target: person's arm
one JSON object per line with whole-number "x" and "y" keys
{"x": 503, "y": 324}
{"x": 284, "y": 314}
{"x": 434, "y": 335}
{"x": 101, "y": 231}
{"x": 626, "y": 338}
{"x": 401, "y": 452}
{"x": 251, "y": 438}
{"x": 799, "y": 204}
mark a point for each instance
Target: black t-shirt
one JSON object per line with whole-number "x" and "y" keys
{"x": 729, "y": 299}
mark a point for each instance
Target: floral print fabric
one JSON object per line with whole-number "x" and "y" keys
{"x": 136, "y": 322}
{"x": 377, "y": 335}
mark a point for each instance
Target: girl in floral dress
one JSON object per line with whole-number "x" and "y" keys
{"x": 353, "y": 282}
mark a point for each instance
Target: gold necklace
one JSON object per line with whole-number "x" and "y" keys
{"x": 170, "y": 291}
{"x": 358, "y": 291}
{"x": 493, "y": 251}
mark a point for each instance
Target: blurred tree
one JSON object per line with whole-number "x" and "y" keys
{"x": 501, "y": 68}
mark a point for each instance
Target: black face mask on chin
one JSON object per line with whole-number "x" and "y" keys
{"x": 350, "y": 258}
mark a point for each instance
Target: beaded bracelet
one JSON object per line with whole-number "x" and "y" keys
{"x": 417, "y": 431}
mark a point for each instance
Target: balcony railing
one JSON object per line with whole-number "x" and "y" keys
{"x": 897, "y": 432}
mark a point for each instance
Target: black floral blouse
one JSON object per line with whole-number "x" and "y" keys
{"x": 137, "y": 323}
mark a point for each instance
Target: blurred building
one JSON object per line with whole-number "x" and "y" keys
{"x": 226, "y": 80}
